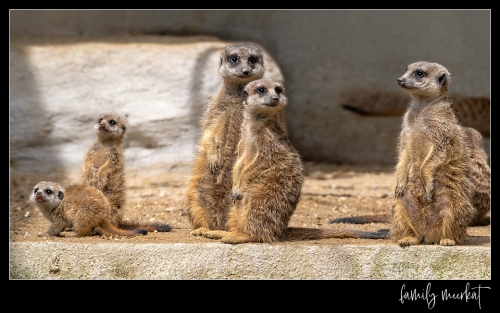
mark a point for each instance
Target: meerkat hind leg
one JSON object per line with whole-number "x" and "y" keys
{"x": 199, "y": 231}
{"x": 236, "y": 238}
{"x": 447, "y": 242}
{"x": 227, "y": 236}
{"x": 408, "y": 241}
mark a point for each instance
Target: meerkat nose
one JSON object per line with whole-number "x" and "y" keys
{"x": 400, "y": 81}
{"x": 245, "y": 72}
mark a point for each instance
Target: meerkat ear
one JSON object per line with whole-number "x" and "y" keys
{"x": 60, "y": 195}
{"x": 442, "y": 79}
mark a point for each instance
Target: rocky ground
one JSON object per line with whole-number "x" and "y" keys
{"x": 329, "y": 192}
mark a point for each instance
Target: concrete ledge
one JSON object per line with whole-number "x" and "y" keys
{"x": 48, "y": 260}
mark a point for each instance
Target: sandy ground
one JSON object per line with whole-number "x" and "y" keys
{"x": 329, "y": 192}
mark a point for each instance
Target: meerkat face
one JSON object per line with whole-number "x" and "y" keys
{"x": 264, "y": 97}
{"x": 425, "y": 79}
{"x": 110, "y": 125}
{"x": 241, "y": 62}
{"x": 47, "y": 194}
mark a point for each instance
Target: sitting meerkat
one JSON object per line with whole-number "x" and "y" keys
{"x": 268, "y": 176}
{"x": 481, "y": 194}
{"x": 103, "y": 166}
{"x": 83, "y": 208}
{"x": 433, "y": 192}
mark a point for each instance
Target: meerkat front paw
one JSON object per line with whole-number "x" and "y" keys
{"x": 400, "y": 186}
{"x": 236, "y": 195}
{"x": 429, "y": 191}
{"x": 212, "y": 164}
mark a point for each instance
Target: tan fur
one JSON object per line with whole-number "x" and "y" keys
{"x": 480, "y": 175}
{"x": 268, "y": 176}
{"x": 103, "y": 167}
{"x": 208, "y": 195}
{"x": 432, "y": 202}
{"x": 481, "y": 178}
{"x": 83, "y": 208}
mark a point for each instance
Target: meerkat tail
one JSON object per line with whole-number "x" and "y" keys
{"x": 380, "y": 112}
{"x": 109, "y": 230}
{"x": 363, "y": 219}
{"x": 298, "y": 233}
{"x": 150, "y": 227}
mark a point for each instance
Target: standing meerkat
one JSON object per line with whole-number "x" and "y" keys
{"x": 268, "y": 176}
{"x": 432, "y": 203}
{"x": 83, "y": 208}
{"x": 103, "y": 166}
{"x": 208, "y": 194}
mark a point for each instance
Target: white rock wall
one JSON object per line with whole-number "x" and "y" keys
{"x": 59, "y": 86}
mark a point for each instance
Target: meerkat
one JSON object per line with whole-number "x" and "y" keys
{"x": 103, "y": 166}
{"x": 208, "y": 193}
{"x": 83, "y": 208}
{"x": 268, "y": 176}
{"x": 481, "y": 177}
{"x": 432, "y": 202}
{"x": 480, "y": 174}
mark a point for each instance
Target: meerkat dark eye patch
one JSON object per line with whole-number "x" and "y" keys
{"x": 233, "y": 58}
{"x": 48, "y": 191}
{"x": 419, "y": 73}
{"x": 442, "y": 79}
{"x": 100, "y": 120}
{"x": 278, "y": 90}
{"x": 112, "y": 122}
{"x": 253, "y": 59}
{"x": 36, "y": 190}
{"x": 261, "y": 90}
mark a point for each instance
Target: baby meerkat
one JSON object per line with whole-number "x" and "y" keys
{"x": 432, "y": 203}
{"x": 83, "y": 208}
{"x": 268, "y": 176}
{"x": 208, "y": 194}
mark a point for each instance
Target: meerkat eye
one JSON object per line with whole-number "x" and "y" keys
{"x": 48, "y": 191}
{"x": 261, "y": 90}
{"x": 419, "y": 73}
{"x": 234, "y": 58}
{"x": 252, "y": 59}
{"x": 36, "y": 190}
{"x": 112, "y": 122}
{"x": 100, "y": 120}
{"x": 278, "y": 90}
